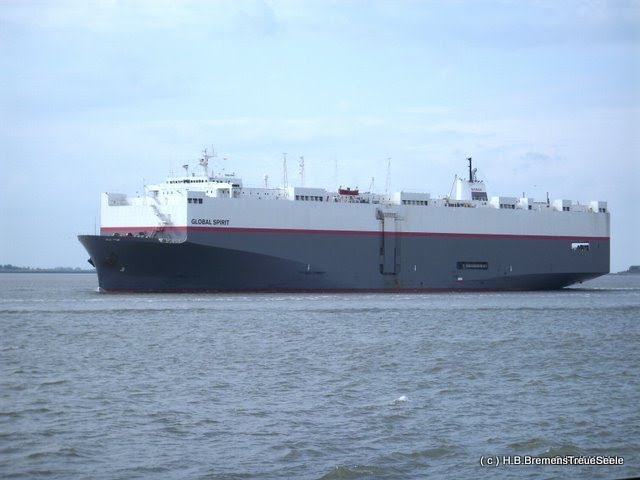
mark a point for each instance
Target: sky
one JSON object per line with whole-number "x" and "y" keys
{"x": 111, "y": 95}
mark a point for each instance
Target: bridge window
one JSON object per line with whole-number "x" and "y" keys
{"x": 478, "y": 196}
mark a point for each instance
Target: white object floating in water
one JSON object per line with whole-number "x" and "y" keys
{"x": 400, "y": 399}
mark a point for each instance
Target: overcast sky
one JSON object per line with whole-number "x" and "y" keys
{"x": 107, "y": 95}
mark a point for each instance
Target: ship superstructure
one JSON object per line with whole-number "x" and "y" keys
{"x": 210, "y": 233}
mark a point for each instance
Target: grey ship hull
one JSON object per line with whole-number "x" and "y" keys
{"x": 233, "y": 261}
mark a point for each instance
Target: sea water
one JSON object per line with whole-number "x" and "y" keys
{"x": 317, "y": 386}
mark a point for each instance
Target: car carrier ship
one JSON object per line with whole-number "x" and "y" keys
{"x": 204, "y": 232}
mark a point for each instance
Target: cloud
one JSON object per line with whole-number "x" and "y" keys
{"x": 112, "y": 16}
{"x": 479, "y": 24}
{"x": 537, "y": 160}
{"x": 539, "y": 92}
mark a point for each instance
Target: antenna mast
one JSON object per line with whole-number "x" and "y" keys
{"x": 386, "y": 187}
{"x": 285, "y": 181}
{"x": 204, "y": 161}
{"x": 302, "y": 171}
{"x": 470, "y": 171}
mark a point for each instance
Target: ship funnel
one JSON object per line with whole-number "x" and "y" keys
{"x": 472, "y": 189}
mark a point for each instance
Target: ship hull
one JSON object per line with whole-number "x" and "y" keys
{"x": 253, "y": 260}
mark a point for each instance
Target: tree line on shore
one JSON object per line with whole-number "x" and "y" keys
{"x": 8, "y": 268}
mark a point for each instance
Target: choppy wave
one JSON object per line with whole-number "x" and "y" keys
{"x": 314, "y": 386}
{"x": 353, "y": 471}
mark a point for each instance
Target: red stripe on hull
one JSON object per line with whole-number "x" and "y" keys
{"x": 135, "y": 230}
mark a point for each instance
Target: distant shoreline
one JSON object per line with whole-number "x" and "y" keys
{"x": 632, "y": 270}
{"x": 14, "y": 269}
{"x": 47, "y": 271}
